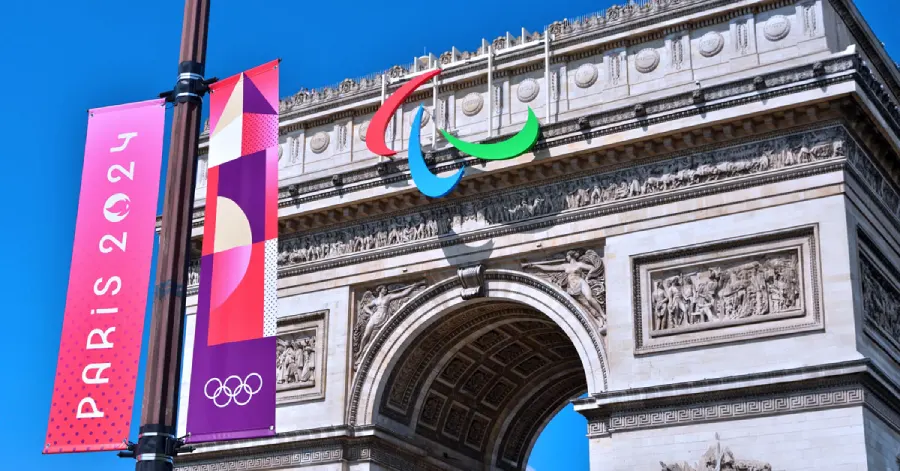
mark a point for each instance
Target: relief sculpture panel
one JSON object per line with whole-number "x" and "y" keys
{"x": 745, "y": 289}
{"x": 727, "y": 290}
{"x": 881, "y": 298}
{"x": 374, "y": 308}
{"x": 718, "y": 459}
{"x": 499, "y": 209}
{"x": 580, "y": 274}
{"x": 299, "y": 359}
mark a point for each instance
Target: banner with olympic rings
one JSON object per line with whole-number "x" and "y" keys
{"x": 427, "y": 182}
{"x": 232, "y": 375}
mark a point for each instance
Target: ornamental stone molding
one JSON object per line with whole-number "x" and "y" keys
{"x": 527, "y": 90}
{"x": 319, "y": 142}
{"x": 472, "y": 280}
{"x": 777, "y": 28}
{"x": 472, "y": 104}
{"x": 596, "y": 191}
{"x": 585, "y": 75}
{"x": 711, "y": 44}
{"x": 646, "y": 60}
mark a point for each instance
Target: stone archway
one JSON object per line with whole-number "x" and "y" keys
{"x": 479, "y": 378}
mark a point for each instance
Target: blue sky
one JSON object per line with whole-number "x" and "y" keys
{"x": 60, "y": 58}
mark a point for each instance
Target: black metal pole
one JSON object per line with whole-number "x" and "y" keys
{"x": 157, "y": 443}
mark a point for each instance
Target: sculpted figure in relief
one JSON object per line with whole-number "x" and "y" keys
{"x": 756, "y": 287}
{"x": 295, "y": 364}
{"x": 581, "y": 275}
{"x": 594, "y": 190}
{"x": 717, "y": 459}
{"x": 374, "y": 309}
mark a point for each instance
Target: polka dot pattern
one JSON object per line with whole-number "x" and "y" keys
{"x": 270, "y": 312}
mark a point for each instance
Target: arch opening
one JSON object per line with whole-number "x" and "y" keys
{"x": 477, "y": 381}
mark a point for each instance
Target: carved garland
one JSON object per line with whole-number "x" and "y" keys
{"x": 404, "y": 311}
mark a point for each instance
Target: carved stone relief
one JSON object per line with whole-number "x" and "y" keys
{"x": 581, "y": 275}
{"x": 528, "y": 90}
{"x": 319, "y": 142}
{"x": 374, "y": 308}
{"x": 777, "y": 28}
{"x": 202, "y": 169}
{"x": 615, "y": 68}
{"x": 677, "y": 53}
{"x": 341, "y": 136}
{"x": 363, "y": 129}
{"x": 717, "y": 459}
{"x": 881, "y": 301}
{"x": 748, "y": 288}
{"x": 472, "y": 280}
{"x": 810, "y": 21}
{"x": 585, "y": 75}
{"x": 299, "y": 361}
{"x": 646, "y": 61}
{"x": 711, "y": 44}
{"x": 472, "y": 104}
{"x": 742, "y": 37}
{"x": 591, "y": 191}
{"x": 727, "y": 291}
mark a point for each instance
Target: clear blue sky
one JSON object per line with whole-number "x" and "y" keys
{"x": 60, "y": 58}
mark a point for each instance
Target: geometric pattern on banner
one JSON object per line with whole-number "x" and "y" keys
{"x": 233, "y": 365}
{"x": 270, "y": 322}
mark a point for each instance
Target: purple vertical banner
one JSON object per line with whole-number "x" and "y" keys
{"x": 232, "y": 384}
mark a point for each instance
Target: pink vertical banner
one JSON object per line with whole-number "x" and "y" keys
{"x": 109, "y": 278}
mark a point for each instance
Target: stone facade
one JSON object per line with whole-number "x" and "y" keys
{"x": 704, "y": 240}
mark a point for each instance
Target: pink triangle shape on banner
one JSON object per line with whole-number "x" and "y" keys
{"x": 217, "y": 101}
{"x": 254, "y": 101}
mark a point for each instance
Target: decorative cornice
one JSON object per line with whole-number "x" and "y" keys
{"x": 349, "y": 449}
{"x": 567, "y": 200}
{"x": 568, "y": 132}
{"x": 754, "y": 395}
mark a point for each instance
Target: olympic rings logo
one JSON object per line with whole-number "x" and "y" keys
{"x": 428, "y": 183}
{"x": 232, "y": 390}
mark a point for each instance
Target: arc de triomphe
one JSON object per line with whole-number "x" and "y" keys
{"x": 704, "y": 241}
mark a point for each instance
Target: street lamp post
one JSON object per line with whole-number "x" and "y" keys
{"x": 157, "y": 444}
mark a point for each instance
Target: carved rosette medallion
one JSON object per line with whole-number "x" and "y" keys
{"x": 585, "y": 75}
{"x": 319, "y": 142}
{"x": 426, "y": 118}
{"x": 646, "y": 61}
{"x": 777, "y": 28}
{"x": 711, "y": 44}
{"x": 363, "y": 129}
{"x": 528, "y": 90}
{"x": 472, "y": 104}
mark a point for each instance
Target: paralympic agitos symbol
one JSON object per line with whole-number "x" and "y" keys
{"x": 428, "y": 183}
